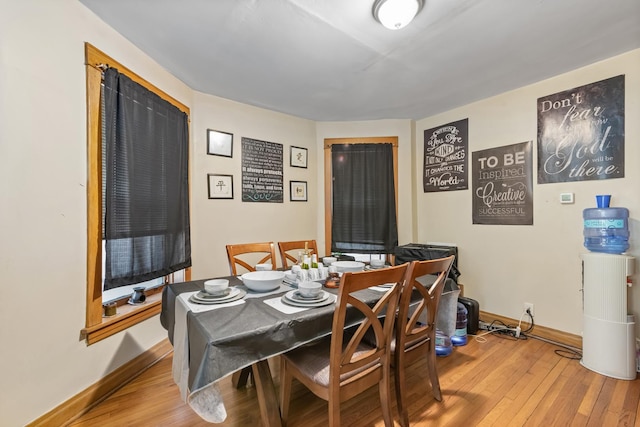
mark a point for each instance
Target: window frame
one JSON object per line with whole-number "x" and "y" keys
{"x": 328, "y": 176}
{"x": 96, "y": 326}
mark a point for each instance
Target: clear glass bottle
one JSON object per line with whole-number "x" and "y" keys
{"x": 305, "y": 262}
{"x": 314, "y": 261}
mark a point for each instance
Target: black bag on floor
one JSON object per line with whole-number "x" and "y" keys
{"x": 473, "y": 314}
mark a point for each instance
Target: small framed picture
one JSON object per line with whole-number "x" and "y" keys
{"x": 298, "y": 157}
{"x": 298, "y": 191}
{"x": 220, "y": 186}
{"x": 219, "y": 143}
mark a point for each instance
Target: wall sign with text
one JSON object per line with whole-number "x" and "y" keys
{"x": 581, "y": 133}
{"x": 503, "y": 185}
{"x": 445, "y": 157}
{"x": 261, "y": 171}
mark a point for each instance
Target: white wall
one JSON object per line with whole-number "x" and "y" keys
{"x": 43, "y": 164}
{"x": 215, "y": 222}
{"x": 504, "y": 266}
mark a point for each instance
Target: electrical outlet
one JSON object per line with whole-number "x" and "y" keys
{"x": 529, "y": 306}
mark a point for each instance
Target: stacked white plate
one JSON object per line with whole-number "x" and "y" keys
{"x": 295, "y": 298}
{"x": 231, "y": 294}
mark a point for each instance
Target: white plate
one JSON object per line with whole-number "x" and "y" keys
{"x": 295, "y": 297}
{"x": 206, "y": 295}
{"x": 330, "y": 300}
{"x": 203, "y": 297}
{"x": 368, "y": 267}
{"x": 386, "y": 285}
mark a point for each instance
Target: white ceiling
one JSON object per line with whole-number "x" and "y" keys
{"x": 330, "y": 60}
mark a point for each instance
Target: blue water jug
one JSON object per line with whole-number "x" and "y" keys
{"x": 460, "y": 335}
{"x": 443, "y": 344}
{"x": 606, "y": 230}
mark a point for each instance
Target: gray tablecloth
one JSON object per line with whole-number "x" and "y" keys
{"x": 225, "y": 340}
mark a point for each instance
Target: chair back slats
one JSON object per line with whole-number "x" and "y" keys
{"x": 350, "y": 357}
{"x": 263, "y": 253}
{"x": 286, "y": 247}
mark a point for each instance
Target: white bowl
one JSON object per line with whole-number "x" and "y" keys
{"x": 263, "y": 281}
{"x": 376, "y": 263}
{"x": 328, "y": 260}
{"x": 309, "y": 289}
{"x": 216, "y": 286}
{"x": 264, "y": 267}
{"x": 348, "y": 266}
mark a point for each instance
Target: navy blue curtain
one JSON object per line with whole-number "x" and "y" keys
{"x": 145, "y": 183}
{"x": 364, "y": 203}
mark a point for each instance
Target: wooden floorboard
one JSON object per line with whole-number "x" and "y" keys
{"x": 500, "y": 382}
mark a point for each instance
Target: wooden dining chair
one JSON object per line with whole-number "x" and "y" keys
{"x": 343, "y": 365}
{"x": 247, "y": 255}
{"x": 416, "y": 325}
{"x": 286, "y": 247}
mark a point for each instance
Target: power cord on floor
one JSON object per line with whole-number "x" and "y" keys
{"x": 513, "y": 332}
{"x": 501, "y": 329}
{"x": 565, "y": 351}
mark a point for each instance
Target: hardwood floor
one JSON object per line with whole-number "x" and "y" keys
{"x": 500, "y": 382}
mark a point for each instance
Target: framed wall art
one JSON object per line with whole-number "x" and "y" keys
{"x": 262, "y": 171}
{"x": 219, "y": 143}
{"x": 298, "y": 157}
{"x": 220, "y": 186}
{"x": 298, "y": 191}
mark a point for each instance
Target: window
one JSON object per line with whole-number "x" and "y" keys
{"x": 360, "y": 195}
{"x": 97, "y": 327}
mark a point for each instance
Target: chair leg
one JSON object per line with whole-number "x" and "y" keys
{"x": 285, "y": 391}
{"x": 433, "y": 373}
{"x": 385, "y": 400}
{"x": 400, "y": 381}
{"x": 334, "y": 411}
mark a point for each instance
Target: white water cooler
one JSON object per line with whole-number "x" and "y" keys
{"x": 608, "y": 335}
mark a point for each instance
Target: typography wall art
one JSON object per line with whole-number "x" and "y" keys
{"x": 503, "y": 185}
{"x": 262, "y": 179}
{"x": 581, "y": 133}
{"x": 446, "y": 157}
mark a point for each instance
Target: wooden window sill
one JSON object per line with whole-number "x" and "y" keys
{"x": 127, "y": 316}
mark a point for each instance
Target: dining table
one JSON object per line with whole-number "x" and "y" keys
{"x": 214, "y": 341}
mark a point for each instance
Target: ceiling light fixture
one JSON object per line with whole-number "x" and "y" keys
{"x": 396, "y": 14}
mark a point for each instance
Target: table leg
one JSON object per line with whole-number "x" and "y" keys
{"x": 239, "y": 378}
{"x": 267, "y": 399}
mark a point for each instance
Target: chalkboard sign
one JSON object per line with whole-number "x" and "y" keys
{"x": 503, "y": 185}
{"x": 261, "y": 171}
{"x": 581, "y": 133}
{"x": 445, "y": 157}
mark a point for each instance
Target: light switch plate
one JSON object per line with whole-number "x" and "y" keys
{"x": 566, "y": 198}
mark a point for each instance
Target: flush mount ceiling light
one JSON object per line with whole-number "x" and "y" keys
{"x": 396, "y": 14}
